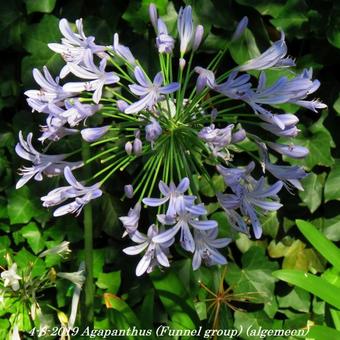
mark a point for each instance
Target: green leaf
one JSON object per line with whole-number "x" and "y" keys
{"x": 253, "y": 322}
{"x": 210, "y": 189}
{"x": 312, "y": 283}
{"x": 35, "y": 42}
{"x": 110, "y": 281}
{"x": 332, "y": 187}
{"x": 291, "y": 17}
{"x": 325, "y": 247}
{"x": 118, "y": 304}
{"x": 22, "y": 206}
{"x": 254, "y": 276}
{"x": 336, "y": 105}
{"x": 298, "y": 299}
{"x": 244, "y": 48}
{"x": 33, "y": 236}
{"x": 137, "y": 14}
{"x": 312, "y": 195}
{"x": 174, "y": 297}
{"x": 323, "y": 332}
{"x": 270, "y": 224}
{"x": 333, "y": 31}
{"x": 111, "y": 224}
{"x": 29, "y": 263}
{"x": 43, "y": 6}
{"x": 295, "y": 254}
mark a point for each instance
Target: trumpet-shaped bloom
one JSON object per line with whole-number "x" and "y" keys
{"x": 130, "y": 222}
{"x": 183, "y": 222}
{"x": 185, "y": 28}
{"x": 50, "y": 92}
{"x": 74, "y": 45}
{"x": 76, "y": 190}
{"x": 165, "y": 42}
{"x": 92, "y": 134}
{"x": 273, "y": 57}
{"x": 248, "y": 193}
{"x": 11, "y": 278}
{"x": 122, "y": 51}
{"x": 155, "y": 254}
{"x": 96, "y": 75}
{"x": 50, "y": 165}
{"x": 149, "y": 92}
{"x": 175, "y": 195}
{"x": 206, "y": 243}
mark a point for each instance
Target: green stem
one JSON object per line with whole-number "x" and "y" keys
{"x": 88, "y": 311}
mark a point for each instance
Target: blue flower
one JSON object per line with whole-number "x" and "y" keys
{"x": 152, "y": 131}
{"x": 97, "y": 76}
{"x": 185, "y": 28}
{"x": 177, "y": 201}
{"x": 77, "y": 191}
{"x": 155, "y": 254}
{"x": 74, "y": 45}
{"x": 122, "y": 51}
{"x": 50, "y": 165}
{"x": 206, "y": 245}
{"x": 130, "y": 222}
{"x": 92, "y": 134}
{"x": 148, "y": 91}
{"x": 183, "y": 221}
{"x": 273, "y": 57}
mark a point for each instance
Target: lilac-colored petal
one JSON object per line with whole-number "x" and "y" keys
{"x": 161, "y": 257}
{"x": 204, "y": 225}
{"x": 141, "y": 77}
{"x": 139, "y": 105}
{"x": 158, "y": 80}
{"x": 93, "y": 134}
{"x": 183, "y": 185}
{"x": 163, "y": 188}
{"x": 167, "y": 235}
{"x": 143, "y": 265}
{"x": 169, "y": 88}
{"x": 187, "y": 241}
{"x": 155, "y": 202}
{"x": 134, "y": 250}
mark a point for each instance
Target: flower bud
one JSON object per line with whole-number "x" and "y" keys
{"x": 137, "y": 147}
{"x": 293, "y": 151}
{"x": 238, "y": 136}
{"x": 93, "y": 134}
{"x": 153, "y": 15}
{"x": 153, "y": 130}
{"x": 213, "y": 114}
{"x": 128, "y": 148}
{"x": 128, "y": 190}
{"x": 122, "y": 105}
{"x": 242, "y": 25}
{"x": 198, "y": 37}
{"x": 182, "y": 63}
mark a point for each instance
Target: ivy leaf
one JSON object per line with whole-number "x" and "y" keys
{"x": 253, "y": 276}
{"x": 110, "y": 281}
{"x": 295, "y": 254}
{"x": 298, "y": 299}
{"x": 253, "y": 322}
{"x": 137, "y": 14}
{"x": 332, "y": 187}
{"x": 35, "y": 42}
{"x": 29, "y": 263}
{"x": 22, "y": 207}
{"x": 336, "y": 106}
{"x": 244, "y": 48}
{"x": 313, "y": 185}
{"x": 333, "y": 31}
{"x": 291, "y": 17}
{"x": 33, "y": 236}
{"x": 43, "y": 6}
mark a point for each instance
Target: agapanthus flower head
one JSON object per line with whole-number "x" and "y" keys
{"x": 180, "y": 128}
